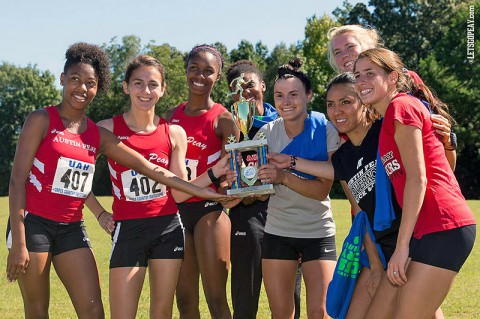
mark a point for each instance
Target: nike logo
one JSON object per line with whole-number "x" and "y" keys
{"x": 328, "y": 250}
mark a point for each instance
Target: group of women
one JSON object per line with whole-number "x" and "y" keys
{"x": 180, "y": 230}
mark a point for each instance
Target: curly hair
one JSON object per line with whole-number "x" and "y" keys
{"x": 292, "y": 69}
{"x": 242, "y": 66}
{"x": 93, "y": 55}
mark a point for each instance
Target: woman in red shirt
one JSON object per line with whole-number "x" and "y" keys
{"x": 438, "y": 229}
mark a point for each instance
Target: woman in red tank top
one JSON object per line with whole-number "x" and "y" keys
{"x": 142, "y": 206}
{"x": 207, "y": 228}
{"x": 34, "y": 240}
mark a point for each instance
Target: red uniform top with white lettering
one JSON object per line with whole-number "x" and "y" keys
{"x": 62, "y": 171}
{"x": 135, "y": 195}
{"x": 444, "y": 206}
{"x": 204, "y": 146}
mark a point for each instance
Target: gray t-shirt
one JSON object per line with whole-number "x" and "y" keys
{"x": 289, "y": 213}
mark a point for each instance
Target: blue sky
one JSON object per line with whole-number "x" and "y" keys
{"x": 39, "y": 32}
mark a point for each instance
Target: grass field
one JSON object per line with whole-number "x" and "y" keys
{"x": 462, "y": 302}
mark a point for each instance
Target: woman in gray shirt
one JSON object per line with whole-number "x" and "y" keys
{"x": 299, "y": 220}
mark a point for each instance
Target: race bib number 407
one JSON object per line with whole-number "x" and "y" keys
{"x": 139, "y": 188}
{"x": 73, "y": 177}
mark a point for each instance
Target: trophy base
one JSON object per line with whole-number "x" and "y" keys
{"x": 252, "y": 190}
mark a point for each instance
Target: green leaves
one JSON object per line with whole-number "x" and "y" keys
{"x": 429, "y": 36}
{"x": 22, "y": 90}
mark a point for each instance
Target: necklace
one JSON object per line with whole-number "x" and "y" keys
{"x": 74, "y": 126}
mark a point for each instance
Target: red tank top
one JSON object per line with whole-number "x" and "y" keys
{"x": 62, "y": 171}
{"x": 204, "y": 146}
{"x": 135, "y": 195}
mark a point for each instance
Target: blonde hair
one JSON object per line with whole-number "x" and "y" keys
{"x": 366, "y": 36}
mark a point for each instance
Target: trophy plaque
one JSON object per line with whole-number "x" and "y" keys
{"x": 243, "y": 112}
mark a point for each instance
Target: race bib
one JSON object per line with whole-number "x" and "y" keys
{"x": 140, "y": 188}
{"x": 191, "y": 168}
{"x": 73, "y": 178}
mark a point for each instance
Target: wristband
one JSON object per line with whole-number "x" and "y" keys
{"x": 213, "y": 179}
{"x": 293, "y": 162}
{"x": 98, "y": 217}
{"x": 453, "y": 142}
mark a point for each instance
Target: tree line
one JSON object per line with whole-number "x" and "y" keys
{"x": 430, "y": 36}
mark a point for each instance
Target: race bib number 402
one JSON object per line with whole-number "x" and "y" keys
{"x": 139, "y": 188}
{"x": 73, "y": 177}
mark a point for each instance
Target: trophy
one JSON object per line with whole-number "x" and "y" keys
{"x": 243, "y": 112}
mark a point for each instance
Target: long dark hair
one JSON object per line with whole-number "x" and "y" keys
{"x": 348, "y": 79}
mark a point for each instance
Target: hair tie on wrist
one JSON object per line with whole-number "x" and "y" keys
{"x": 293, "y": 162}
{"x": 453, "y": 142}
{"x": 98, "y": 217}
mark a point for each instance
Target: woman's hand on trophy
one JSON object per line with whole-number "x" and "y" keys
{"x": 210, "y": 194}
{"x": 239, "y": 158}
{"x": 253, "y": 198}
{"x": 231, "y": 202}
{"x": 269, "y": 173}
{"x": 222, "y": 166}
{"x": 279, "y": 160}
{"x": 230, "y": 177}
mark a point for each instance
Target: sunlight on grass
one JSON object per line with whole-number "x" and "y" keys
{"x": 462, "y": 302}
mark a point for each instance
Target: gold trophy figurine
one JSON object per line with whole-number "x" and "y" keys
{"x": 243, "y": 112}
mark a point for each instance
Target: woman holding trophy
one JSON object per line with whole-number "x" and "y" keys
{"x": 207, "y": 228}
{"x": 248, "y": 217}
{"x": 299, "y": 220}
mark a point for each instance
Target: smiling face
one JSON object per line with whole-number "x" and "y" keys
{"x": 80, "y": 85}
{"x": 203, "y": 70}
{"x": 291, "y": 99}
{"x": 344, "y": 108}
{"x": 373, "y": 84}
{"x": 145, "y": 87}
{"x": 346, "y": 49}
{"x": 252, "y": 90}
